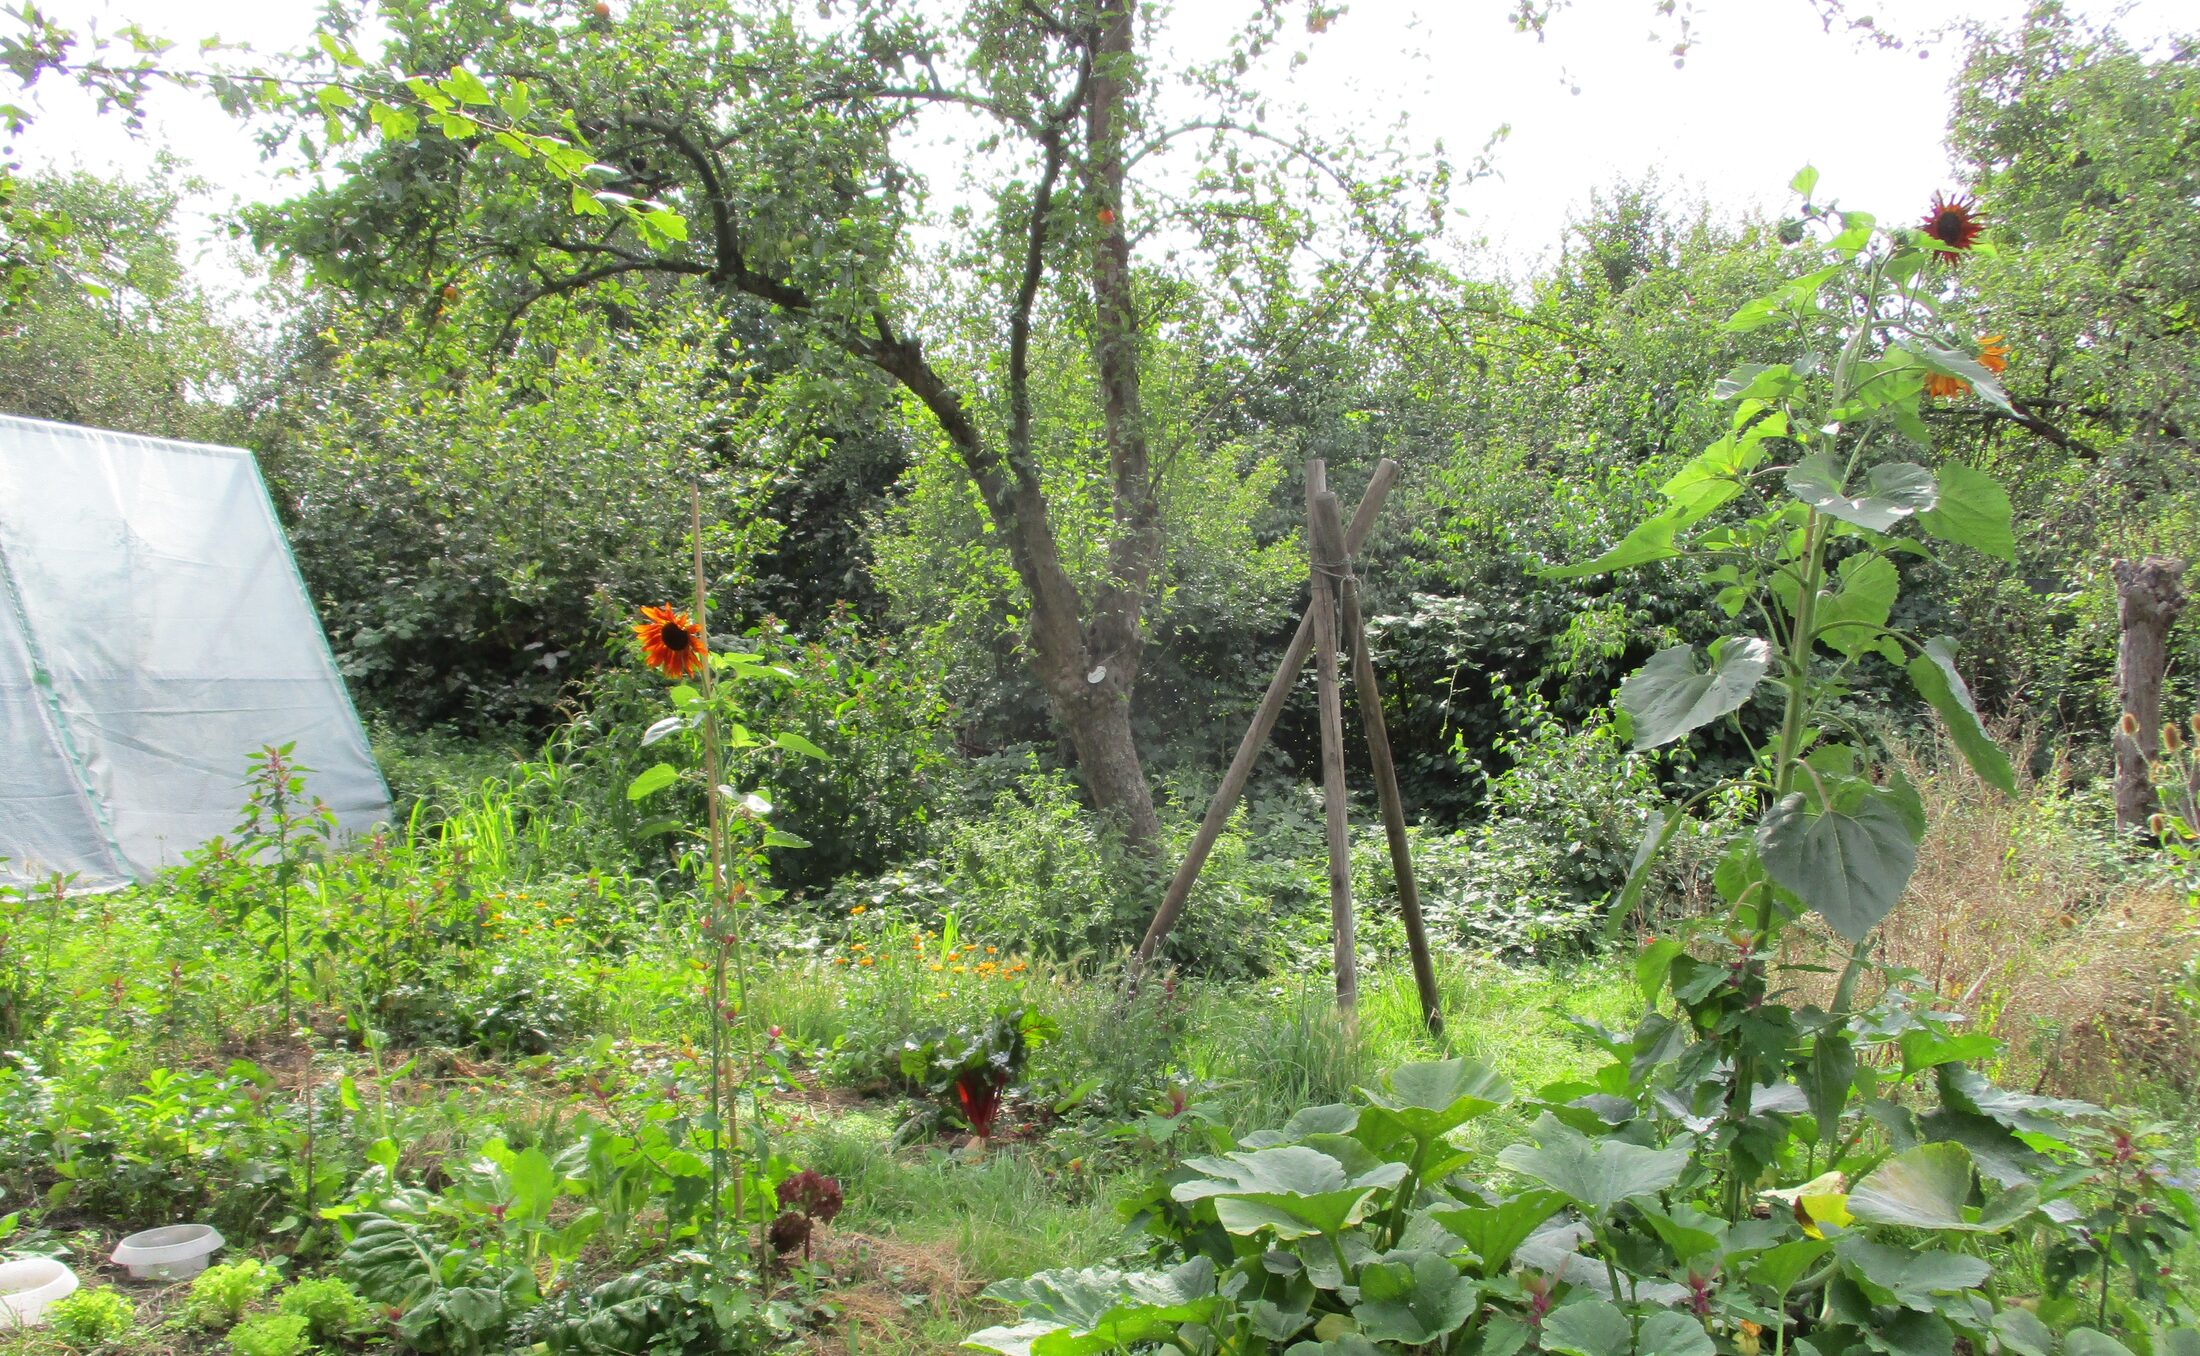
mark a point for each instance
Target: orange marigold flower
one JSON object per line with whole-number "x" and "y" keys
{"x": 1993, "y": 354}
{"x": 859, "y": 908}
{"x": 1954, "y": 223}
{"x": 866, "y": 960}
{"x": 671, "y": 641}
{"x": 1941, "y": 387}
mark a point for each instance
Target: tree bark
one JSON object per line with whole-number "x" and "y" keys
{"x": 1115, "y": 638}
{"x": 2149, "y": 596}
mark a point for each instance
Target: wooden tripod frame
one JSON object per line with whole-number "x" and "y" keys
{"x": 1333, "y": 611}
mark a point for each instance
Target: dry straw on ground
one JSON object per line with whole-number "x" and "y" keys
{"x": 2027, "y": 921}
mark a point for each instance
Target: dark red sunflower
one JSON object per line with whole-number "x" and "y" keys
{"x": 1954, "y": 223}
{"x": 671, "y": 642}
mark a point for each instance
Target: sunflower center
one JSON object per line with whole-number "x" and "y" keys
{"x": 674, "y": 637}
{"x": 1947, "y": 225}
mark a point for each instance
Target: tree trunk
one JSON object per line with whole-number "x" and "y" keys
{"x": 2149, "y": 597}
{"x": 1100, "y": 728}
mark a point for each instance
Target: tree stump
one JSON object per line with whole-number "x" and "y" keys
{"x": 2149, "y": 596}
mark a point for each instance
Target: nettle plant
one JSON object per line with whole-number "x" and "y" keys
{"x": 1748, "y": 1172}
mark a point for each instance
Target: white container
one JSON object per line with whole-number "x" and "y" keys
{"x": 27, "y": 1287}
{"x": 170, "y": 1254}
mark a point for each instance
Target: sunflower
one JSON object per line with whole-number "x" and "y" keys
{"x": 1952, "y": 222}
{"x": 1993, "y": 354}
{"x": 1941, "y": 387}
{"x": 671, "y": 642}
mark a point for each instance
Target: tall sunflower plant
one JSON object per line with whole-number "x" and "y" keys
{"x": 1803, "y": 512}
{"x": 708, "y": 723}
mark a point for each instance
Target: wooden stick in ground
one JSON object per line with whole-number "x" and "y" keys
{"x": 1325, "y": 536}
{"x": 1264, "y": 720}
{"x": 1394, "y": 808}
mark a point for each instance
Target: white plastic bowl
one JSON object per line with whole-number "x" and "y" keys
{"x": 27, "y": 1287}
{"x": 167, "y": 1254}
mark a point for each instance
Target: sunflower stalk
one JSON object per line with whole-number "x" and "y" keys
{"x": 727, "y": 935}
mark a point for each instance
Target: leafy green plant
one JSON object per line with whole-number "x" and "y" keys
{"x": 975, "y": 1064}
{"x": 332, "y": 1309}
{"x": 271, "y": 1335}
{"x": 1362, "y": 1227}
{"x": 221, "y": 1294}
{"x": 283, "y": 827}
{"x": 92, "y": 1318}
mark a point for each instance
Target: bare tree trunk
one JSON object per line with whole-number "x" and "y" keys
{"x": 1115, "y": 638}
{"x": 2149, "y": 596}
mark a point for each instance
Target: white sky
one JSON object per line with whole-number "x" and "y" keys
{"x": 1764, "y": 91}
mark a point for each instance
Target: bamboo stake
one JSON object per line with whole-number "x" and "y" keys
{"x": 1325, "y": 539}
{"x": 1394, "y": 808}
{"x": 1264, "y": 720}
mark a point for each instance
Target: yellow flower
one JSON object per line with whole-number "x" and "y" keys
{"x": 859, "y": 908}
{"x": 935, "y": 967}
{"x": 958, "y": 969}
{"x": 992, "y": 950}
{"x": 866, "y": 960}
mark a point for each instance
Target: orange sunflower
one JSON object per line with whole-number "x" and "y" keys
{"x": 1993, "y": 355}
{"x": 671, "y": 642}
{"x": 1954, "y": 223}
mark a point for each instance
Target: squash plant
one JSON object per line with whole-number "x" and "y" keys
{"x": 1362, "y": 1228}
{"x": 1743, "y": 1175}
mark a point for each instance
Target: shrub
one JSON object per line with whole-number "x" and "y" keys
{"x": 92, "y": 1318}
{"x": 331, "y": 1308}
{"x": 270, "y": 1335}
{"x": 221, "y": 1294}
{"x": 1564, "y": 820}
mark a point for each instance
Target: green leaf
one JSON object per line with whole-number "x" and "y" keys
{"x": 2092, "y": 1342}
{"x": 1826, "y": 1083}
{"x": 1849, "y": 621}
{"x": 1293, "y": 1190}
{"x": 1966, "y": 1089}
{"x": 794, "y": 743}
{"x": 1896, "y": 491}
{"x": 1804, "y": 181}
{"x": 664, "y": 223}
{"x": 1924, "y": 1048}
{"x": 466, "y": 87}
{"x": 1667, "y": 1333}
{"x": 1596, "y": 1174}
{"x": 1984, "y": 384}
{"x": 1973, "y": 511}
{"x": 1849, "y": 862}
{"x": 2020, "y": 1331}
{"x": 653, "y": 779}
{"x": 1924, "y": 1188}
{"x": 1431, "y": 1099}
{"x": 1651, "y": 540}
{"x": 1908, "y": 1276}
{"x": 1588, "y": 1327}
{"x": 1778, "y": 1269}
{"x": 1495, "y": 1231}
{"x": 1414, "y": 1303}
{"x": 1073, "y": 1313}
{"x": 1669, "y": 696}
{"x": 1933, "y": 674}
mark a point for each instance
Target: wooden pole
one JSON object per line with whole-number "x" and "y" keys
{"x": 1264, "y": 720}
{"x": 1370, "y": 697}
{"x": 1325, "y": 537}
